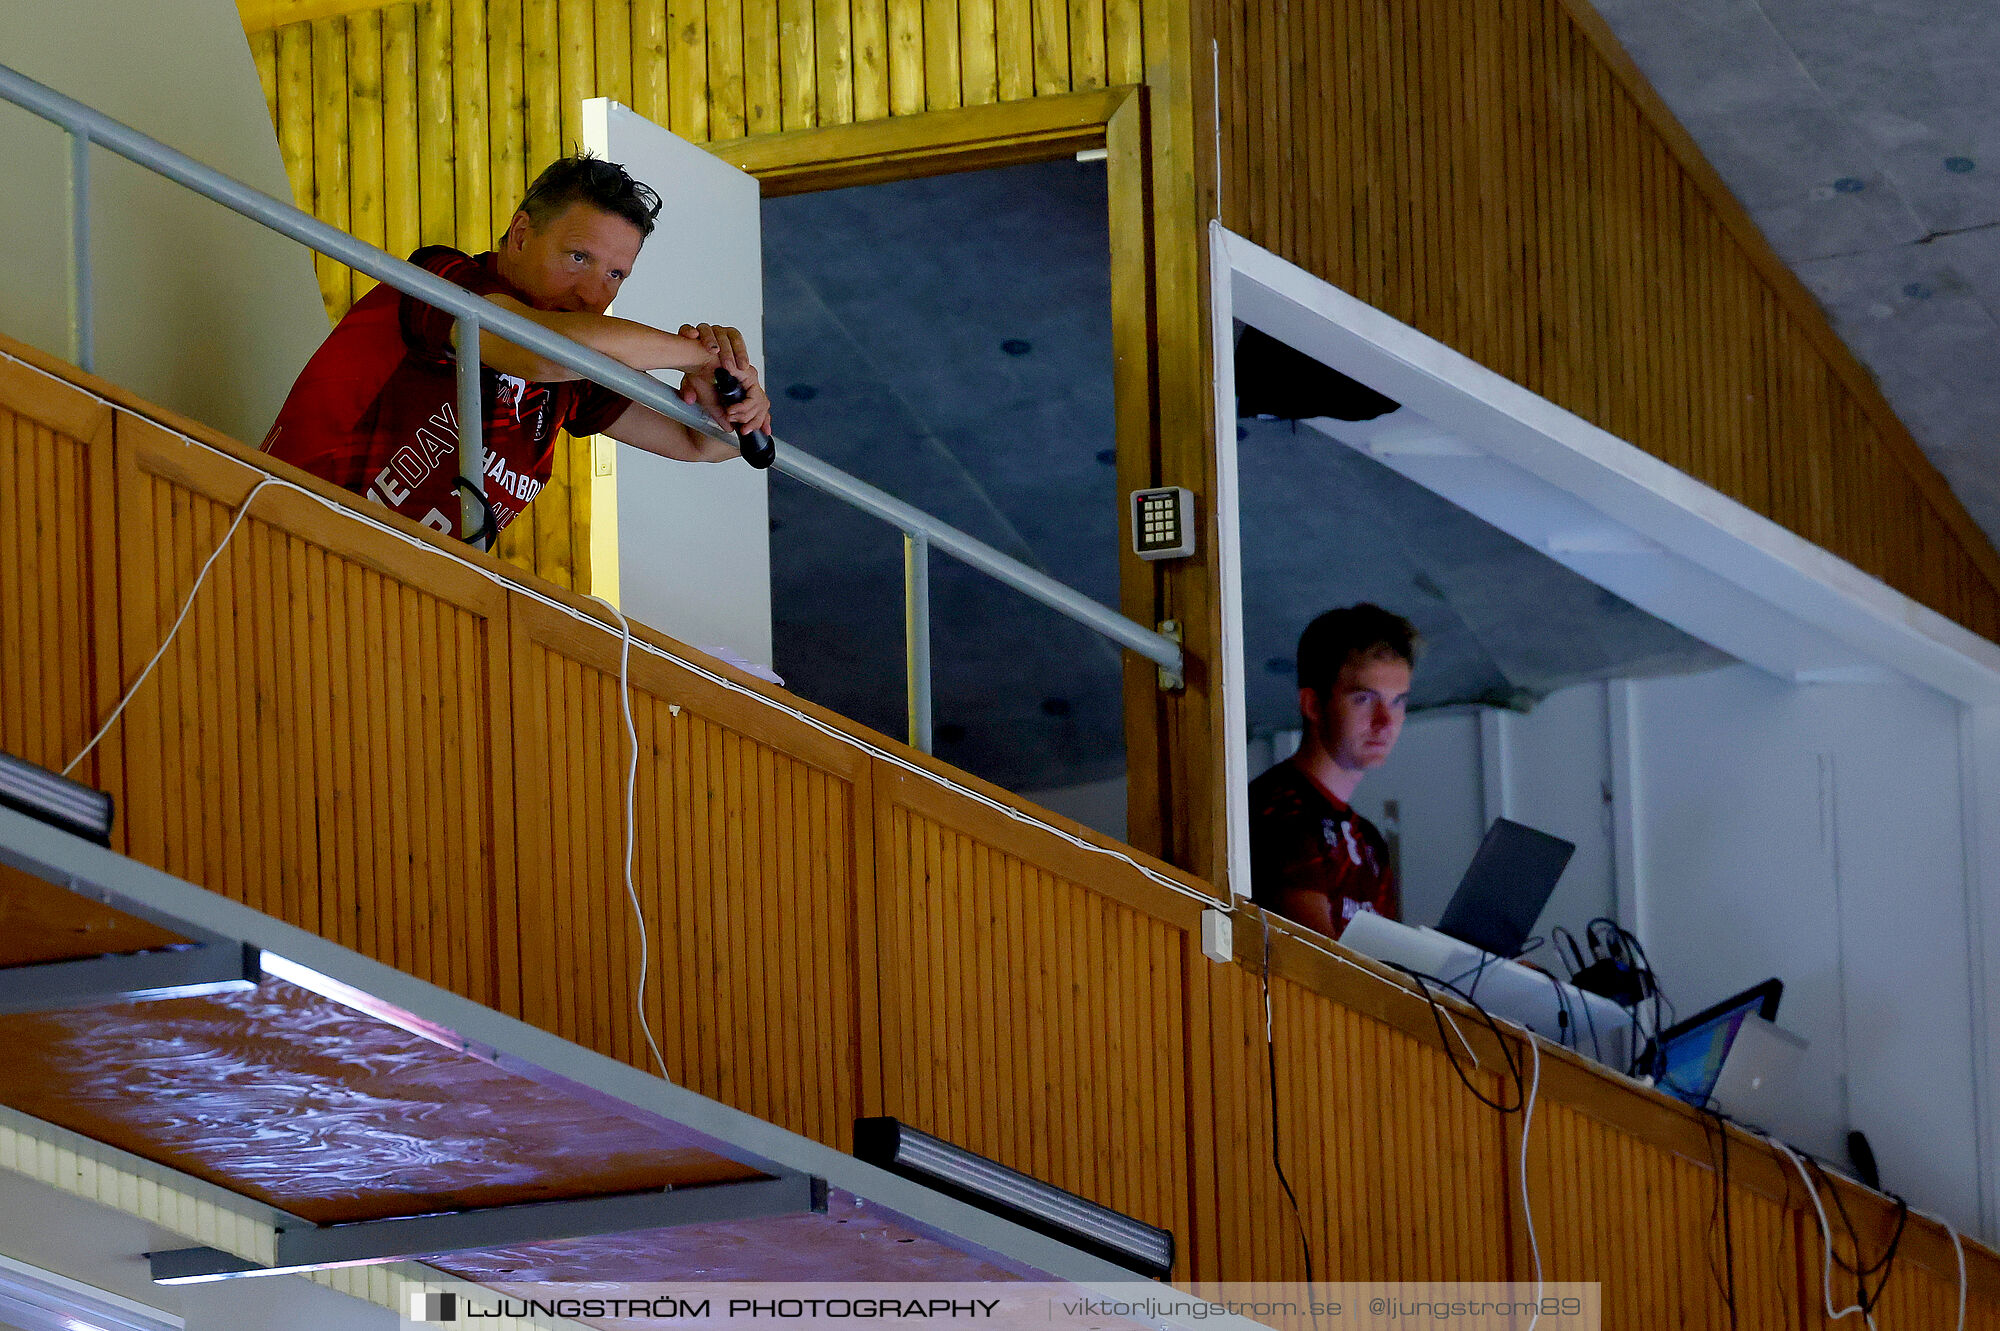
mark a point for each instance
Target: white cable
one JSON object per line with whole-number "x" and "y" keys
{"x": 1227, "y": 907}
{"x": 1826, "y": 1234}
{"x": 242, "y": 511}
{"x": 1464, "y": 1043}
{"x": 1958, "y": 1248}
{"x": 631, "y": 826}
{"x": 1527, "y": 1124}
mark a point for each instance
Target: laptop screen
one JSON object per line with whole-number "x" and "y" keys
{"x": 1690, "y": 1064}
{"x": 1691, "y": 1054}
{"x": 1505, "y": 887}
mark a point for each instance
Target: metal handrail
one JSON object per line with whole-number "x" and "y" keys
{"x": 921, "y": 531}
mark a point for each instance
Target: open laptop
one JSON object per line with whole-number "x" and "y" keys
{"x": 1700, "y": 1060}
{"x": 1505, "y": 887}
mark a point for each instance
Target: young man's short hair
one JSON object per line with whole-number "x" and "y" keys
{"x": 581, "y": 178}
{"x": 1365, "y": 631}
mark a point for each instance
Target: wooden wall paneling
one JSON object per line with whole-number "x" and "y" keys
{"x": 745, "y": 855}
{"x": 1605, "y": 267}
{"x": 903, "y": 54}
{"x": 1050, "y": 20}
{"x": 652, "y": 94}
{"x": 401, "y": 207}
{"x": 261, "y": 16}
{"x": 1016, "y": 1001}
{"x": 799, "y": 66}
{"x": 404, "y": 731}
{"x": 471, "y": 143}
{"x": 288, "y": 700}
{"x": 509, "y": 169}
{"x": 293, "y": 109}
{"x": 836, "y": 48}
{"x": 264, "y": 55}
{"x": 437, "y": 182}
{"x": 1207, "y": 1131}
{"x": 977, "y": 23}
{"x": 60, "y": 666}
{"x": 872, "y": 97}
{"x": 1124, "y": 42}
{"x": 330, "y": 154}
{"x": 728, "y": 63}
{"x": 367, "y": 156}
{"x": 542, "y": 37}
{"x": 1813, "y": 330}
{"x": 763, "y": 67}
{"x": 1014, "y": 50}
{"x": 687, "y": 62}
{"x": 614, "y": 50}
{"x": 1399, "y": 1172}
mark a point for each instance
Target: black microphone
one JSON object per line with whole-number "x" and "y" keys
{"x": 758, "y": 448}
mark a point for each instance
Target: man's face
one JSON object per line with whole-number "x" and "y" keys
{"x": 1358, "y": 720}
{"x": 575, "y": 263}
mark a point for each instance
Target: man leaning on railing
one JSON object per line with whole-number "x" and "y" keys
{"x": 375, "y": 409}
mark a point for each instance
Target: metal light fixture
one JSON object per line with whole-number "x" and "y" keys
{"x": 38, "y": 1300}
{"x": 1028, "y": 1202}
{"x": 55, "y": 800}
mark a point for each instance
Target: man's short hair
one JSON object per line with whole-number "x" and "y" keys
{"x": 1365, "y": 631}
{"x": 581, "y": 178}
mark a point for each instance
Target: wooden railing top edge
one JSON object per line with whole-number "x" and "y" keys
{"x": 1568, "y": 1078}
{"x": 1788, "y": 288}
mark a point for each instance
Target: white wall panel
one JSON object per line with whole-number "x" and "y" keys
{"x": 197, "y": 309}
{"x": 693, "y": 539}
{"x": 1815, "y": 833}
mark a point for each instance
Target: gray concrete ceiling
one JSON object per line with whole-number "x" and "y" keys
{"x": 949, "y": 341}
{"x": 1864, "y": 138}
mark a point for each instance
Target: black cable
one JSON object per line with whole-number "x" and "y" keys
{"x": 1719, "y": 1158}
{"x": 1624, "y": 941}
{"x": 1572, "y": 963}
{"x": 1596, "y": 1047}
{"x": 1424, "y": 982}
{"x": 1862, "y": 1298}
{"x": 1271, "y": 1060}
{"x": 1478, "y": 973}
{"x": 1565, "y": 1015}
{"x": 1652, "y": 976}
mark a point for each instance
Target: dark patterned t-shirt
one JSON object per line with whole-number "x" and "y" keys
{"x": 376, "y": 408}
{"x": 1303, "y": 839}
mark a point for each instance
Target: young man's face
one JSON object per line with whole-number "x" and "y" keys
{"x": 1358, "y": 720}
{"x": 575, "y": 263}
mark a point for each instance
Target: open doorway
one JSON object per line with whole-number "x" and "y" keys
{"x": 948, "y": 339}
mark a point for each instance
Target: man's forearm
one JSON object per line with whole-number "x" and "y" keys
{"x": 637, "y": 345}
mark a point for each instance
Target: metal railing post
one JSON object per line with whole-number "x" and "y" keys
{"x": 917, "y": 635}
{"x": 83, "y": 337}
{"x": 471, "y": 430}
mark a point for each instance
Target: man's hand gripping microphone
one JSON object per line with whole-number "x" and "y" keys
{"x": 758, "y": 448}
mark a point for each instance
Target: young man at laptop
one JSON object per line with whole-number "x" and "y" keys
{"x": 1313, "y": 859}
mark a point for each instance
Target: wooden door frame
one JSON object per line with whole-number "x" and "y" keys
{"x": 1165, "y": 756}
